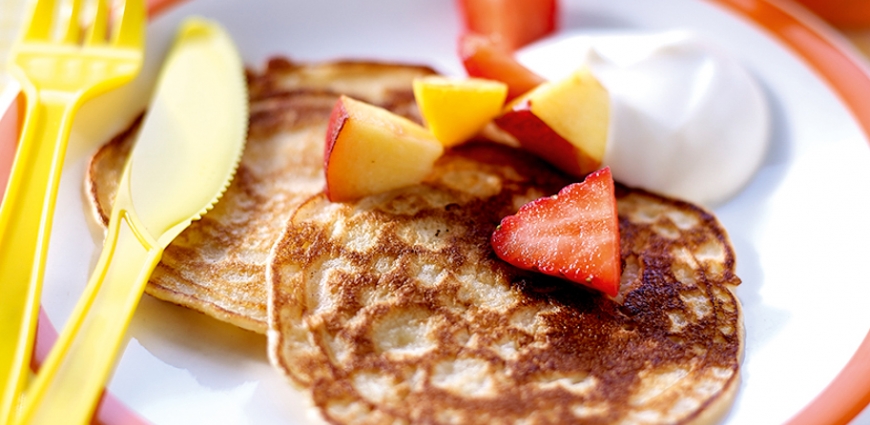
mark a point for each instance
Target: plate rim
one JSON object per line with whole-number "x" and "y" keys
{"x": 840, "y": 66}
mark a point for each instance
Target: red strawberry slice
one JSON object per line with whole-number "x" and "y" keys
{"x": 573, "y": 235}
{"x": 514, "y": 22}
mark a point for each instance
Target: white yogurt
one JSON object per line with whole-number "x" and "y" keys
{"x": 687, "y": 120}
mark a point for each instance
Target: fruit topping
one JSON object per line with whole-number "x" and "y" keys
{"x": 484, "y": 57}
{"x": 564, "y": 122}
{"x": 573, "y": 235}
{"x": 456, "y": 109}
{"x": 514, "y": 23}
{"x": 371, "y": 150}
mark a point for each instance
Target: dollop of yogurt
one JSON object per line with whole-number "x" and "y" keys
{"x": 687, "y": 120}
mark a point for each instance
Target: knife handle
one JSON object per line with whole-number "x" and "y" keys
{"x": 68, "y": 385}
{"x": 26, "y": 215}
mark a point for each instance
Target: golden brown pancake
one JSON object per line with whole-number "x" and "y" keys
{"x": 217, "y": 265}
{"x": 394, "y": 309}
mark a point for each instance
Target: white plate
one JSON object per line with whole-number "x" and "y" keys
{"x": 800, "y": 228}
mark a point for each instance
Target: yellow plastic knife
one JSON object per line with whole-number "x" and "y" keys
{"x": 184, "y": 158}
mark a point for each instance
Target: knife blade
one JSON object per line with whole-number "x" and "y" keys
{"x": 185, "y": 156}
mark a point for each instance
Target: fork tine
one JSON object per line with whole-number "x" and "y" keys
{"x": 73, "y": 25}
{"x": 130, "y": 31}
{"x": 97, "y": 32}
{"x": 39, "y": 22}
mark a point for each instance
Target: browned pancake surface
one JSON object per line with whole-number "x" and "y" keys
{"x": 394, "y": 309}
{"x": 217, "y": 265}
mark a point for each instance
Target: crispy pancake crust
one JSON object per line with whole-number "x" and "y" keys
{"x": 217, "y": 265}
{"x": 394, "y": 309}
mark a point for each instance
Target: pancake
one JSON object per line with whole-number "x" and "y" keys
{"x": 394, "y": 308}
{"x": 217, "y": 265}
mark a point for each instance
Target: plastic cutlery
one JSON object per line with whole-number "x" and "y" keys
{"x": 57, "y": 75}
{"x": 184, "y": 158}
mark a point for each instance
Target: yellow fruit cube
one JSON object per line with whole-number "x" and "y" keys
{"x": 455, "y": 109}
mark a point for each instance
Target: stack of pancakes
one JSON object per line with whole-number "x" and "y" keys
{"x": 217, "y": 265}
{"x": 394, "y": 308}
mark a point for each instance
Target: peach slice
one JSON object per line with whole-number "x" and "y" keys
{"x": 564, "y": 122}
{"x": 484, "y": 57}
{"x": 370, "y": 150}
{"x": 456, "y": 109}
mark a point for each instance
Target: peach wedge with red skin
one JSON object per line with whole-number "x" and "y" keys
{"x": 370, "y": 150}
{"x": 484, "y": 57}
{"x": 564, "y": 122}
{"x": 455, "y": 109}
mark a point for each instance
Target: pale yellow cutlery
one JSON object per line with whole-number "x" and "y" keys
{"x": 57, "y": 72}
{"x": 184, "y": 158}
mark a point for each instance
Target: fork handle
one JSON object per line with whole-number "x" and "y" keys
{"x": 68, "y": 385}
{"x": 26, "y": 216}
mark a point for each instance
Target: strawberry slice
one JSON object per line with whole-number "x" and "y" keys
{"x": 573, "y": 235}
{"x": 514, "y": 22}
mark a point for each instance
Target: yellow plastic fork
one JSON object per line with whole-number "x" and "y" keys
{"x": 57, "y": 74}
